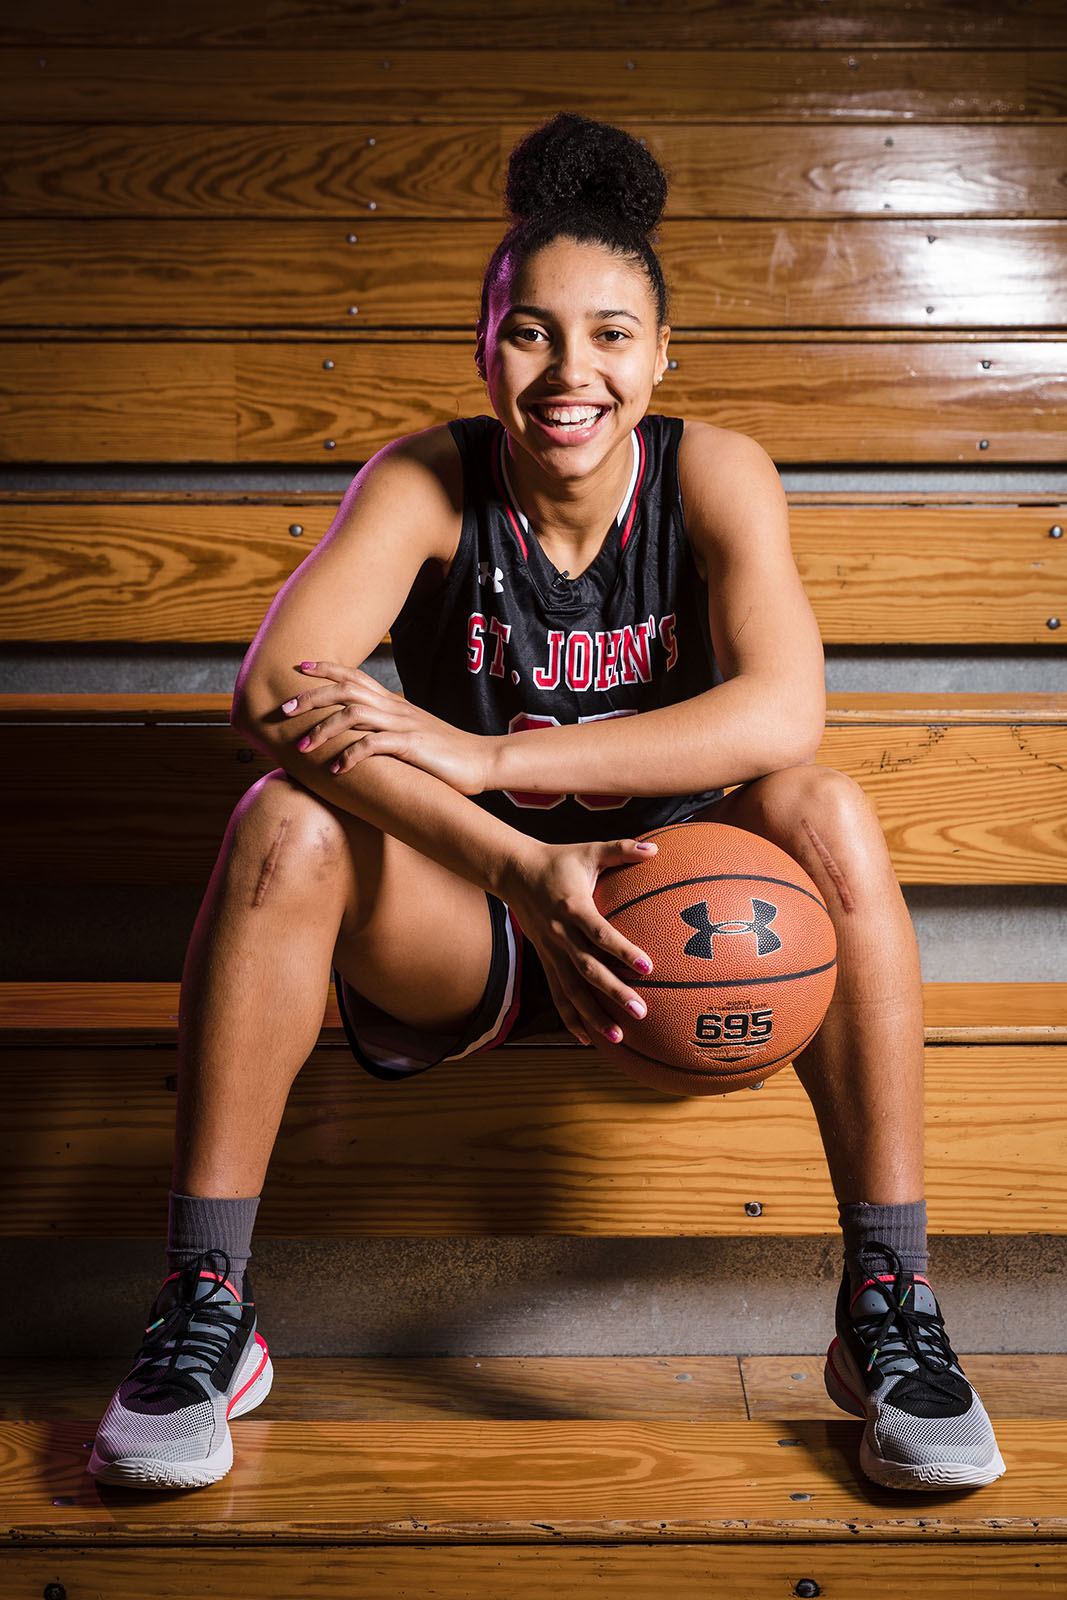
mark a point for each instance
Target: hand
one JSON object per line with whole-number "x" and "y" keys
{"x": 386, "y": 725}
{"x": 583, "y": 954}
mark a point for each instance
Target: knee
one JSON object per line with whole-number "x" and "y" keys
{"x": 283, "y": 836}
{"x": 823, "y": 814}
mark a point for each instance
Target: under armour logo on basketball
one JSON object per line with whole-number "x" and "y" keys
{"x": 484, "y": 578}
{"x": 701, "y": 943}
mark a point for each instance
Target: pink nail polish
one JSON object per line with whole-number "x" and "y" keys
{"x": 289, "y": 705}
{"x": 635, "y": 1008}
{"x": 643, "y": 964}
{"x": 304, "y": 742}
{"x": 307, "y": 666}
{"x": 614, "y": 1034}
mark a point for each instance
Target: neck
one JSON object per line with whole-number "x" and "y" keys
{"x": 575, "y": 513}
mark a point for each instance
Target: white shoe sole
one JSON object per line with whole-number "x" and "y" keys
{"x": 893, "y": 1474}
{"x": 252, "y": 1387}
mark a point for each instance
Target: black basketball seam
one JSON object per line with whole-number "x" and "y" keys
{"x": 727, "y": 983}
{"x": 698, "y": 1072}
{"x": 713, "y": 877}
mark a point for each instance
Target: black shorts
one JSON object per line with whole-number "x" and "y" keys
{"x": 515, "y": 1005}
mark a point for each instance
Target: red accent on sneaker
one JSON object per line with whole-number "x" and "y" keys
{"x": 859, "y": 1399}
{"x": 246, "y": 1386}
{"x": 886, "y": 1277}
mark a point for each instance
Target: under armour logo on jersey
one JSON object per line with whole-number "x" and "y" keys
{"x": 483, "y": 577}
{"x": 701, "y": 943}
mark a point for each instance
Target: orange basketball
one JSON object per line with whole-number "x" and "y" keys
{"x": 743, "y": 954}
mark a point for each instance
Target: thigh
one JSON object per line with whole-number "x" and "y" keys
{"x": 416, "y": 939}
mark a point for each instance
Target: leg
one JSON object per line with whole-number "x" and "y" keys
{"x": 299, "y": 885}
{"x": 864, "y": 1071}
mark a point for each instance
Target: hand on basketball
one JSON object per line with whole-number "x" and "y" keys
{"x": 385, "y": 724}
{"x": 582, "y": 954}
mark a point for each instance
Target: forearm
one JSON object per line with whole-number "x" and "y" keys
{"x": 730, "y": 734}
{"x": 412, "y": 806}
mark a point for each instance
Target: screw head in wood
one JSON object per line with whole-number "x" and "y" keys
{"x": 327, "y": 366}
{"x": 753, "y": 1208}
{"x": 295, "y": 529}
{"x": 983, "y": 444}
{"x": 1053, "y": 623}
{"x": 1055, "y": 532}
{"x": 807, "y": 1589}
{"x": 329, "y": 444}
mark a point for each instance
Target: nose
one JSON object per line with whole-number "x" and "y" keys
{"x": 571, "y": 368}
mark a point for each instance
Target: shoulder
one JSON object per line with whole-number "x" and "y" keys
{"x": 729, "y": 486}
{"x": 414, "y": 487}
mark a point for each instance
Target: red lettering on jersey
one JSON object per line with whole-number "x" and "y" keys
{"x": 608, "y": 646}
{"x": 475, "y": 647}
{"x": 501, "y": 632}
{"x": 579, "y": 661}
{"x": 670, "y": 643}
{"x": 524, "y": 720}
{"x": 548, "y": 677}
{"x": 636, "y": 660}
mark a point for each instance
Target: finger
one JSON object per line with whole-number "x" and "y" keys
{"x": 341, "y": 722}
{"x": 369, "y": 744}
{"x": 606, "y": 984}
{"x": 622, "y": 852}
{"x": 312, "y": 700}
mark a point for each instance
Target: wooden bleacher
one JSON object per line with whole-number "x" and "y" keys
{"x": 866, "y": 247}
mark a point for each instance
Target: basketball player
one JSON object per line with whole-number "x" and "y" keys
{"x": 598, "y": 626}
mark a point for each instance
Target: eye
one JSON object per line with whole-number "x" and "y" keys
{"x": 614, "y": 335}
{"x": 529, "y": 335}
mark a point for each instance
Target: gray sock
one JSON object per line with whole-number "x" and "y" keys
{"x": 902, "y": 1228}
{"x": 198, "y": 1224}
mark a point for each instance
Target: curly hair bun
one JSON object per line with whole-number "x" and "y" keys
{"x": 573, "y": 164}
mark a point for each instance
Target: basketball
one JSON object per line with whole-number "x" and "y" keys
{"x": 744, "y": 958}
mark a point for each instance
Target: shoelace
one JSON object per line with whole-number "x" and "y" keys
{"x": 903, "y": 1332}
{"x": 171, "y": 1337}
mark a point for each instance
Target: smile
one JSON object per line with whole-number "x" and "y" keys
{"x": 569, "y": 416}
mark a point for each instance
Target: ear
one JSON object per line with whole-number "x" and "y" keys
{"x": 661, "y": 353}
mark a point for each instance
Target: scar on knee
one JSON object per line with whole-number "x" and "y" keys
{"x": 837, "y": 877}
{"x": 271, "y": 862}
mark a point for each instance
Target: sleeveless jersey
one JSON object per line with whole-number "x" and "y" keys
{"x": 507, "y": 643}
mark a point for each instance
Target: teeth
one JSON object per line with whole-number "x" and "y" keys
{"x": 569, "y": 415}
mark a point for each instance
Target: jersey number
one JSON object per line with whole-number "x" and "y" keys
{"x": 544, "y": 802}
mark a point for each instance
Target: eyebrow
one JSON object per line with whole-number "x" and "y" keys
{"x": 546, "y": 316}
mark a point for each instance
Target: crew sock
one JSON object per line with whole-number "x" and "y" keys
{"x": 902, "y": 1228}
{"x": 197, "y": 1224}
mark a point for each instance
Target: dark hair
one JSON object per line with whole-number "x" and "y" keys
{"x": 577, "y": 179}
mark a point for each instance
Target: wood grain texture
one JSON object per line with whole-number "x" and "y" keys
{"x": 99, "y": 400}
{"x": 594, "y": 1388}
{"x": 207, "y": 570}
{"x": 750, "y": 274}
{"x": 558, "y": 1142}
{"x": 1013, "y": 1385}
{"x": 436, "y": 1388}
{"x": 147, "y": 1013}
{"x": 180, "y": 85}
{"x": 1036, "y": 1569}
{"x": 700, "y": 24}
{"x": 370, "y": 173}
{"x": 537, "y": 1482}
{"x": 120, "y": 803}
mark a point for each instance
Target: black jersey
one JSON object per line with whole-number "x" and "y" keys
{"x": 507, "y": 643}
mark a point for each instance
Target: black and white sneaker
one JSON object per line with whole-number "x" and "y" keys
{"x": 892, "y": 1364}
{"x": 201, "y": 1363}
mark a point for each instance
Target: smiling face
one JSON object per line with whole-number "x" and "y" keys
{"x": 571, "y": 349}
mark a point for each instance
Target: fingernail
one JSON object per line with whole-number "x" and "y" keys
{"x": 307, "y": 666}
{"x": 614, "y": 1034}
{"x": 336, "y": 767}
{"x": 643, "y": 964}
{"x": 636, "y": 1009}
{"x": 305, "y": 742}
{"x": 290, "y": 705}
{"x": 645, "y": 844}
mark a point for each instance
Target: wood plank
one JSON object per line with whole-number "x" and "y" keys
{"x": 1012, "y": 1385}
{"x": 731, "y": 274}
{"x": 101, "y": 400}
{"x": 147, "y": 1013}
{"x": 437, "y": 1388}
{"x": 121, "y": 569}
{"x": 490, "y": 86}
{"x": 653, "y": 1482}
{"x": 699, "y": 24}
{"x": 117, "y": 803}
{"x": 594, "y": 1388}
{"x": 859, "y": 707}
{"x": 380, "y": 172}
{"x": 559, "y": 1143}
{"x": 1035, "y": 1569}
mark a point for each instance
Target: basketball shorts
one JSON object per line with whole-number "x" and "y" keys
{"x": 516, "y": 1004}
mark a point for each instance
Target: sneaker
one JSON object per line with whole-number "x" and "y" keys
{"x": 201, "y": 1363}
{"x": 891, "y": 1363}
